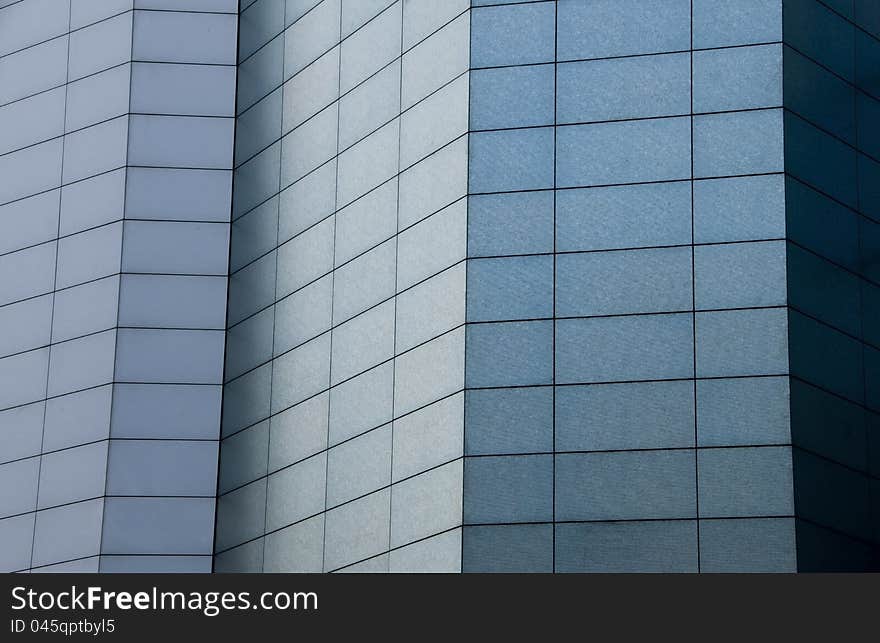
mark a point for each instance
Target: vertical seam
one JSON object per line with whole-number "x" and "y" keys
{"x": 332, "y": 296}
{"x": 118, "y": 288}
{"x": 228, "y": 280}
{"x": 54, "y": 290}
{"x": 467, "y": 228}
{"x": 553, "y": 291}
{"x": 271, "y": 366}
{"x": 694, "y": 300}
{"x": 396, "y": 282}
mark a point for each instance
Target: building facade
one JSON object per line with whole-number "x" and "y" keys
{"x": 571, "y": 286}
{"x": 116, "y": 128}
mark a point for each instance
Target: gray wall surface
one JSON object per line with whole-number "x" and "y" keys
{"x": 572, "y": 286}
{"x": 611, "y": 307}
{"x": 343, "y": 405}
{"x": 115, "y": 151}
{"x": 627, "y": 346}
{"x": 832, "y": 157}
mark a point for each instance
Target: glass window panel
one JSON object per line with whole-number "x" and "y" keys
{"x": 822, "y": 35}
{"x": 740, "y": 275}
{"x": 257, "y": 128}
{"x": 311, "y": 90}
{"x": 369, "y": 105}
{"x": 738, "y": 143}
{"x": 243, "y": 457}
{"x": 298, "y": 432}
{"x": 260, "y": 74}
{"x": 426, "y": 504}
{"x": 621, "y": 27}
{"x": 507, "y": 548}
{"x": 824, "y": 291}
{"x": 99, "y": 46}
{"x": 742, "y": 411}
{"x": 509, "y": 288}
{"x": 430, "y": 308}
{"x": 80, "y": 522}
{"x": 191, "y": 195}
{"x": 433, "y": 122}
{"x": 167, "y": 411}
{"x": 361, "y": 403}
{"x": 29, "y": 221}
{"x": 165, "y": 247}
{"x": 306, "y": 202}
{"x": 170, "y": 356}
{"x": 510, "y": 354}
{"x": 368, "y": 163}
{"x": 421, "y": 18}
{"x": 359, "y": 466}
{"x": 310, "y": 36}
{"x": 820, "y": 96}
{"x": 621, "y": 88}
{"x": 605, "y": 417}
{"x": 301, "y": 373}
{"x": 357, "y": 530}
{"x": 298, "y": 548}
{"x": 740, "y": 209}
{"x": 632, "y": 281}
{"x": 204, "y": 90}
{"x": 438, "y": 554}
{"x": 626, "y": 216}
{"x": 511, "y": 224}
{"x": 624, "y": 152}
{"x": 738, "y": 78}
{"x": 305, "y": 258}
{"x": 371, "y": 47}
{"x": 436, "y": 60}
{"x": 158, "y": 525}
{"x": 723, "y": 23}
{"x": 303, "y": 315}
{"x": 83, "y": 363}
{"x": 742, "y": 342}
{"x": 296, "y": 492}
{"x": 826, "y": 357}
{"x": 420, "y": 252}
{"x": 657, "y": 546}
{"x": 832, "y": 495}
{"x": 433, "y": 183}
{"x": 509, "y": 420}
{"x": 258, "y": 24}
{"x": 745, "y": 482}
{"x": 162, "y": 468}
{"x": 181, "y": 36}
{"x": 246, "y": 400}
{"x": 241, "y": 515}
{"x": 429, "y": 372}
{"x": 428, "y": 437}
{"x": 821, "y": 160}
{"x": 625, "y": 485}
{"x": 613, "y": 349}
{"x": 508, "y": 489}
{"x": 84, "y": 309}
{"x": 364, "y": 282}
{"x": 249, "y": 344}
{"x": 31, "y": 170}
{"x": 363, "y": 342}
{"x": 511, "y": 160}
{"x": 748, "y": 545}
{"x": 511, "y": 97}
{"x": 830, "y": 426}
{"x": 28, "y": 23}
{"x": 513, "y": 35}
